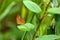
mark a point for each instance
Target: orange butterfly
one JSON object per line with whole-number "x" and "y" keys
{"x": 19, "y": 20}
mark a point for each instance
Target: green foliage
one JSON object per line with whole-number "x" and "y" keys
{"x": 26, "y": 27}
{"x": 48, "y": 37}
{"x": 54, "y": 10}
{"x": 57, "y": 28}
{"x": 32, "y": 6}
{"x": 5, "y": 13}
{"x": 32, "y": 26}
{"x": 1, "y": 37}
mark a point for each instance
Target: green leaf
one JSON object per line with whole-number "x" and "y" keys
{"x": 7, "y": 10}
{"x": 26, "y": 27}
{"x": 48, "y": 37}
{"x": 32, "y": 6}
{"x": 54, "y": 10}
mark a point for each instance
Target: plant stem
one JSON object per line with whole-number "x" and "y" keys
{"x": 38, "y": 27}
{"x": 29, "y": 17}
{"x": 23, "y": 35}
{"x": 24, "y": 12}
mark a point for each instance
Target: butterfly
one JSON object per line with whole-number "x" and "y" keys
{"x": 19, "y": 20}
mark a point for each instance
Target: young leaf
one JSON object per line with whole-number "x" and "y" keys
{"x": 48, "y": 37}
{"x": 54, "y": 10}
{"x": 26, "y": 27}
{"x": 32, "y": 6}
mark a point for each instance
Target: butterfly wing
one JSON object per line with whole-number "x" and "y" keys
{"x": 19, "y": 20}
